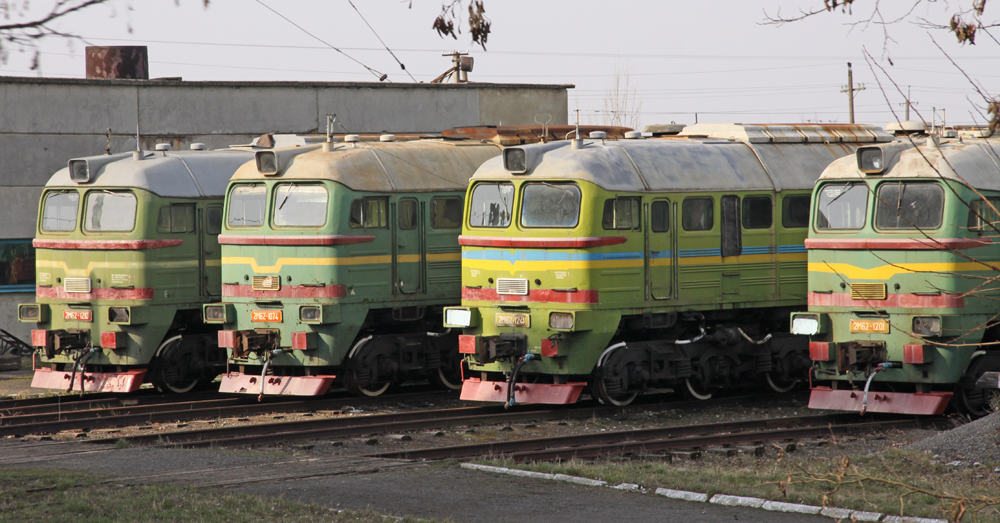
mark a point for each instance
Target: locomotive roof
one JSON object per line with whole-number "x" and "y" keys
{"x": 168, "y": 173}
{"x": 704, "y": 157}
{"x": 971, "y": 161}
{"x": 419, "y": 165}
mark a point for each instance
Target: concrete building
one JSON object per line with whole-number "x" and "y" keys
{"x": 44, "y": 122}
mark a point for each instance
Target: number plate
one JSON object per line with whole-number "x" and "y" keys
{"x": 72, "y": 315}
{"x": 271, "y": 316}
{"x": 876, "y": 326}
{"x": 510, "y": 319}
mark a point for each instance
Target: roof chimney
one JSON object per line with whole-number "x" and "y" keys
{"x": 127, "y": 62}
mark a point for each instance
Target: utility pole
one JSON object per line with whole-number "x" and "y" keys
{"x": 850, "y": 90}
{"x": 908, "y": 103}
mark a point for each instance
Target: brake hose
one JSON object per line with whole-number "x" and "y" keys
{"x": 878, "y": 368}
{"x": 82, "y": 365}
{"x": 513, "y": 379}
{"x": 263, "y": 372}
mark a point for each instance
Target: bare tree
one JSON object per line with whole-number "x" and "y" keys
{"x": 478, "y": 25}
{"x": 621, "y": 105}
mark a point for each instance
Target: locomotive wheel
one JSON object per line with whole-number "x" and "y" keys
{"x": 974, "y": 401}
{"x": 779, "y": 385}
{"x": 618, "y": 400}
{"x": 351, "y": 381}
{"x": 176, "y": 368}
{"x": 449, "y": 375}
{"x": 693, "y": 391}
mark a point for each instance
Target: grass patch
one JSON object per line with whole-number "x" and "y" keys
{"x": 58, "y": 497}
{"x": 895, "y": 482}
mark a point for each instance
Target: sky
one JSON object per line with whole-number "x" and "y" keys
{"x": 688, "y": 60}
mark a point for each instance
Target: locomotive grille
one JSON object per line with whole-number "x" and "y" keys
{"x": 266, "y": 283}
{"x": 515, "y": 286}
{"x": 76, "y": 285}
{"x": 868, "y": 291}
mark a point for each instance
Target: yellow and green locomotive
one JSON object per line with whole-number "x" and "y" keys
{"x": 902, "y": 263}
{"x": 632, "y": 264}
{"x": 338, "y": 259}
{"x": 126, "y": 254}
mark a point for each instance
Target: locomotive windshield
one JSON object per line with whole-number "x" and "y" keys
{"x": 904, "y": 205}
{"x": 246, "y": 206}
{"x": 842, "y": 206}
{"x": 59, "y": 211}
{"x": 110, "y": 211}
{"x": 550, "y": 205}
{"x": 492, "y": 205}
{"x": 298, "y": 205}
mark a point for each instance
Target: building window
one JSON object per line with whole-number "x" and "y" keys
{"x": 17, "y": 266}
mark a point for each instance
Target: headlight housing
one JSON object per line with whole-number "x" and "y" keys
{"x": 562, "y": 321}
{"x": 311, "y": 314}
{"x": 457, "y": 317}
{"x": 871, "y": 160}
{"x": 218, "y": 313}
{"x": 807, "y": 324}
{"x": 927, "y": 325}
{"x": 32, "y": 313}
{"x": 119, "y": 315}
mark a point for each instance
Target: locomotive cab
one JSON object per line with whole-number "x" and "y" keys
{"x": 901, "y": 241}
{"x": 126, "y": 252}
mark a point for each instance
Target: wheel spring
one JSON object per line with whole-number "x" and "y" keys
{"x": 432, "y": 360}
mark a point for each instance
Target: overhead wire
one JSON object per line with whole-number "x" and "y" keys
{"x": 401, "y": 66}
{"x": 378, "y": 74}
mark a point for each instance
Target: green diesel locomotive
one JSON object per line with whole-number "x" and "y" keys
{"x": 639, "y": 263}
{"x": 902, "y": 263}
{"x": 338, "y": 259}
{"x": 126, "y": 254}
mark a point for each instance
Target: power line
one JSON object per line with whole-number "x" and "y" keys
{"x": 381, "y": 76}
{"x": 401, "y": 66}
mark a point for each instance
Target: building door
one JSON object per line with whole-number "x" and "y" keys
{"x": 408, "y": 247}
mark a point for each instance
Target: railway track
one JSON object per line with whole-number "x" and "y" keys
{"x": 639, "y": 441}
{"x": 105, "y": 413}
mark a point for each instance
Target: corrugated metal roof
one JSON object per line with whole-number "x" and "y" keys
{"x": 972, "y": 161}
{"x": 681, "y": 164}
{"x": 173, "y": 174}
{"x": 421, "y": 165}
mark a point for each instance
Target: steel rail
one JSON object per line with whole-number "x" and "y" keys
{"x": 816, "y": 422}
{"x": 68, "y": 403}
{"x": 156, "y": 414}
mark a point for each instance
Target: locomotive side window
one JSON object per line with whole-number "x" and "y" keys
{"x": 298, "y": 205}
{"x": 757, "y": 212}
{"x": 795, "y": 211}
{"x": 659, "y": 216}
{"x": 109, "y": 211}
{"x": 550, "y": 205}
{"x": 213, "y": 220}
{"x": 697, "y": 214}
{"x": 984, "y": 217}
{"x": 246, "y": 206}
{"x": 407, "y": 211}
{"x": 905, "y": 205}
{"x": 842, "y": 206}
{"x": 59, "y": 211}
{"x": 492, "y": 205}
{"x": 621, "y": 214}
{"x": 176, "y": 218}
{"x": 369, "y": 213}
{"x": 446, "y": 213}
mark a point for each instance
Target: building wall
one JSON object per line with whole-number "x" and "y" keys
{"x": 45, "y": 122}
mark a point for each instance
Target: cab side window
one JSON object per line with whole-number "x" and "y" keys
{"x": 621, "y": 214}
{"x": 446, "y": 213}
{"x": 178, "y": 218}
{"x": 369, "y": 213}
{"x": 795, "y": 211}
{"x": 757, "y": 212}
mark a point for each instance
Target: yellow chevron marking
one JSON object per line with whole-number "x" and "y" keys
{"x": 885, "y": 272}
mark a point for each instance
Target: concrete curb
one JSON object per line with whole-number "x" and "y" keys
{"x": 718, "y": 499}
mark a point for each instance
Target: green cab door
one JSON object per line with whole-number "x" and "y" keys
{"x": 211, "y": 252}
{"x": 659, "y": 252}
{"x": 408, "y": 246}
